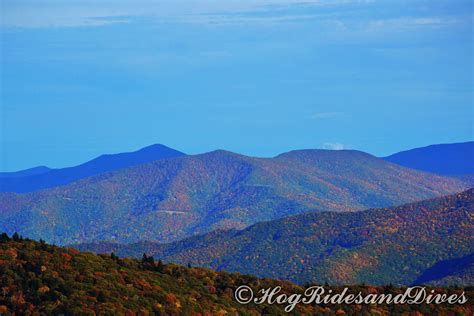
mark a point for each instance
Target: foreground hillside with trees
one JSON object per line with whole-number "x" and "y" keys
{"x": 40, "y": 279}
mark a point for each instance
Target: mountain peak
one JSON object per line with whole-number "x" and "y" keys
{"x": 104, "y": 163}
{"x": 222, "y": 153}
{"x": 155, "y": 147}
{"x": 25, "y": 172}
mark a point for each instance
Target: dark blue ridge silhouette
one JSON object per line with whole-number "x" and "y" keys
{"x": 446, "y": 268}
{"x": 101, "y": 164}
{"x": 26, "y": 172}
{"x": 446, "y": 159}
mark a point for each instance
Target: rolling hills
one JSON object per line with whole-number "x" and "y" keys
{"x": 412, "y": 243}
{"x": 445, "y": 159}
{"x": 174, "y": 198}
{"x": 42, "y": 177}
{"x": 39, "y": 279}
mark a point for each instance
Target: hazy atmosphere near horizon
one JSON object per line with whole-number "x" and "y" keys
{"x": 83, "y": 78}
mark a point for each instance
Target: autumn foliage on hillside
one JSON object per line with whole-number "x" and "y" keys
{"x": 427, "y": 242}
{"x": 171, "y": 199}
{"x": 40, "y": 279}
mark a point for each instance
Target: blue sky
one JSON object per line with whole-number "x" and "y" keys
{"x": 256, "y": 77}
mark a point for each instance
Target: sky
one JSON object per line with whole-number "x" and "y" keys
{"x": 83, "y": 78}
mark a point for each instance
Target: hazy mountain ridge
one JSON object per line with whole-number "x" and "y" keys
{"x": 173, "y": 198}
{"x": 42, "y": 177}
{"x": 444, "y": 159}
{"x": 25, "y": 172}
{"x": 400, "y": 245}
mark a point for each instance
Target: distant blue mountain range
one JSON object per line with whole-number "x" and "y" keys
{"x": 27, "y": 172}
{"x": 445, "y": 159}
{"x": 42, "y": 177}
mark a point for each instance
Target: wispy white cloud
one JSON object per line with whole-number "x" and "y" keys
{"x": 243, "y": 20}
{"x": 332, "y": 14}
{"x": 40, "y": 13}
{"x": 324, "y": 115}
{"x": 334, "y": 146}
{"x": 403, "y": 23}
